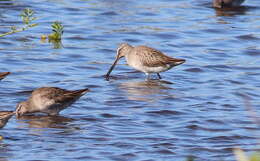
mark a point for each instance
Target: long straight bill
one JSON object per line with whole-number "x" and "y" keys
{"x": 111, "y": 68}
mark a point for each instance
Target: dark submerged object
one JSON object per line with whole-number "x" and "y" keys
{"x": 227, "y": 3}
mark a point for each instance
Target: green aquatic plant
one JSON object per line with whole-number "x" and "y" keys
{"x": 255, "y": 157}
{"x": 239, "y": 153}
{"x": 55, "y": 36}
{"x": 241, "y": 156}
{"x": 57, "y": 31}
{"x": 27, "y": 16}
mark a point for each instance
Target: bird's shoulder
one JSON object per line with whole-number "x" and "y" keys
{"x": 150, "y": 52}
{"x": 49, "y": 92}
{"x": 152, "y": 57}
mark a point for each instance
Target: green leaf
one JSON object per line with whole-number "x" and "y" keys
{"x": 27, "y": 16}
{"x": 57, "y": 29}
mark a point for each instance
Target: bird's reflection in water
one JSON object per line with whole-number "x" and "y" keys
{"x": 3, "y": 153}
{"x": 3, "y": 159}
{"x": 149, "y": 91}
{"x": 5, "y": 149}
{"x": 41, "y": 122}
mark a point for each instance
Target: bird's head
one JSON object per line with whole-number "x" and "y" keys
{"x": 21, "y": 108}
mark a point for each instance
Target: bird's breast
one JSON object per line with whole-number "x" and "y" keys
{"x": 41, "y": 103}
{"x": 135, "y": 62}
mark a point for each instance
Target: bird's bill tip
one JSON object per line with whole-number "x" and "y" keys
{"x": 12, "y": 113}
{"x": 17, "y": 114}
{"x": 107, "y": 77}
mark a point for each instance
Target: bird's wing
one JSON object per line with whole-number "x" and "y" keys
{"x": 53, "y": 97}
{"x": 6, "y": 115}
{"x": 152, "y": 58}
{"x": 66, "y": 96}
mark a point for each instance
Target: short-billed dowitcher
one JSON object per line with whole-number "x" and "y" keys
{"x": 3, "y": 75}
{"x": 145, "y": 59}
{"x": 4, "y": 117}
{"x": 50, "y": 100}
{"x": 227, "y": 3}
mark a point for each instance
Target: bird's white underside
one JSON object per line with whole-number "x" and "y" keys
{"x": 147, "y": 69}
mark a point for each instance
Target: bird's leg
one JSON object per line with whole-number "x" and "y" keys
{"x": 159, "y": 76}
{"x": 147, "y": 76}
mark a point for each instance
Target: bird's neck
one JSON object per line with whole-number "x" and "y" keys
{"x": 31, "y": 106}
{"x": 127, "y": 50}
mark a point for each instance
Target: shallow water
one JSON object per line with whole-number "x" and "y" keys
{"x": 196, "y": 109}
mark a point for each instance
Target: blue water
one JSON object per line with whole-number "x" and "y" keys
{"x": 196, "y": 109}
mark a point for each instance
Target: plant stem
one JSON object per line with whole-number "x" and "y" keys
{"x": 18, "y": 30}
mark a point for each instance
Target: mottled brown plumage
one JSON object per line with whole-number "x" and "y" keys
{"x": 3, "y": 75}
{"x": 227, "y": 3}
{"x": 145, "y": 59}
{"x": 50, "y": 100}
{"x": 4, "y": 117}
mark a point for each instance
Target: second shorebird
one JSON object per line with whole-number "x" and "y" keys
{"x": 145, "y": 59}
{"x": 4, "y": 117}
{"x": 50, "y": 100}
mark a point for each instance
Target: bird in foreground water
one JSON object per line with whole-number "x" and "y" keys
{"x": 4, "y": 117}
{"x": 227, "y": 3}
{"x": 3, "y": 75}
{"x": 49, "y": 100}
{"x": 145, "y": 59}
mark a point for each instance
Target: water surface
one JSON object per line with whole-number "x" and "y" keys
{"x": 196, "y": 109}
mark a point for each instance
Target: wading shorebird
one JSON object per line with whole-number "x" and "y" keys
{"x": 3, "y": 75}
{"x": 227, "y": 3}
{"x": 145, "y": 59}
{"x": 4, "y": 117}
{"x": 49, "y": 100}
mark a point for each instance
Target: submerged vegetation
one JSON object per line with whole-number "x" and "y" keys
{"x": 27, "y": 16}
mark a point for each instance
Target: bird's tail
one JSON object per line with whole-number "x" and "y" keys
{"x": 176, "y": 62}
{"x": 6, "y": 114}
{"x": 80, "y": 92}
{"x": 3, "y": 74}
